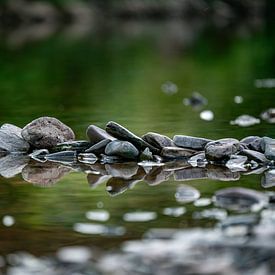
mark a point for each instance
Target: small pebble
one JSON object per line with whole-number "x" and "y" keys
{"x": 8, "y": 220}
{"x": 207, "y": 115}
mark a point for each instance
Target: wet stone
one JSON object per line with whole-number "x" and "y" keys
{"x": 221, "y": 149}
{"x": 77, "y": 145}
{"x": 269, "y": 115}
{"x": 222, "y": 173}
{"x": 253, "y": 143}
{"x": 187, "y": 174}
{"x": 157, "y": 140}
{"x": 176, "y": 152}
{"x": 254, "y": 155}
{"x": 122, "y": 133}
{"x": 268, "y": 179}
{"x": 122, "y": 170}
{"x": 237, "y": 163}
{"x": 98, "y": 148}
{"x": 47, "y": 132}
{"x": 66, "y": 157}
{"x": 269, "y": 147}
{"x": 245, "y": 121}
{"x": 39, "y": 155}
{"x": 190, "y": 142}
{"x": 198, "y": 160}
{"x": 146, "y": 155}
{"x": 88, "y": 158}
{"x": 122, "y": 149}
{"x": 157, "y": 175}
{"x": 96, "y": 134}
{"x": 186, "y": 194}
{"x": 11, "y": 139}
{"x": 240, "y": 199}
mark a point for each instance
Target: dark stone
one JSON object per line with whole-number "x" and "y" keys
{"x": 240, "y": 199}
{"x": 39, "y": 155}
{"x": 269, "y": 147}
{"x": 66, "y": 157}
{"x": 96, "y": 134}
{"x": 47, "y": 132}
{"x": 221, "y": 149}
{"x": 11, "y": 139}
{"x": 146, "y": 155}
{"x": 122, "y": 133}
{"x": 176, "y": 152}
{"x": 190, "y": 174}
{"x": 191, "y": 142}
{"x": 268, "y": 179}
{"x": 254, "y": 155}
{"x": 88, "y": 158}
{"x": 122, "y": 149}
{"x": 98, "y": 148}
{"x": 78, "y": 146}
{"x": 157, "y": 140}
{"x": 221, "y": 173}
{"x": 253, "y": 143}
{"x": 122, "y": 170}
{"x": 96, "y": 179}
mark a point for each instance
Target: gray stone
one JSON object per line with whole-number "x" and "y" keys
{"x": 253, "y": 143}
{"x": 221, "y": 149}
{"x": 268, "y": 179}
{"x": 122, "y": 149}
{"x": 39, "y": 155}
{"x": 176, "y": 152}
{"x": 269, "y": 147}
{"x": 122, "y": 133}
{"x": 245, "y": 121}
{"x": 146, "y": 155}
{"x": 221, "y": 173}
{"x": 237, "y": 163}
{"x": 157, "y": 140}
{"x": 269, "y": 115}
{"x": 96, "y": 134}
{"x": 77, "y": 145}
{"x": 240, "y": 199}
{"x": 11, "y": 139}
{"x": 196, "y": 143}
{"x": 188, "y": 174}
{"x": 66, "y": 157}
{"x": 198, "y": 160}
{"x": 157, "y": 175}
{"x": 88, "y": 158}
{"x": 254, "y": 155}
{"x": 47, "y": 132}
{"x": 186, "y": 194}
{"x": 98, "y": 148}
{"x": 122, "y": 170}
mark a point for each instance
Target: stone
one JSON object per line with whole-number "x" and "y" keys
{"x": 65, "y": 157}
{"x": 198, "y": 160}
{"x": 269, "y": 148}
{"x": 176, "y": 152}
{"x": 122, "y": 170}
{"x": 98, "y": 148}
{"x": 146, "y": 155}
{"x": 95, "y": 180}
{"x": 254, "y": 155}
{"x": 195, "y": 143}
{"x": 221, "y": 173}
{"x": 111, "y": 159}
{"x": 240, "y": 199}
{"x": 88, "y": 158}
{"x": 253, "y": 143}
{"x": 268, "y": 179}
{"x": 122, "y": 149}
{"x": 47, "y": 132}
{"x": 157, "y": 140}
{"x": 237, "y": 163}
{"x": 186, "y": 194}
{"x": 96, "y": 134}
{"x": 245, "y": 121}
{"x": 122, "y": 133}
{"x": 188, "y": 174}
{"x": 269, "y": 115}
{"x": 39, "y": 155}
{"x": 11, "y": 139}
{"x": 221, "y": 149}
{"x": 77, "y": 145}
{"x": 157, "y": 175}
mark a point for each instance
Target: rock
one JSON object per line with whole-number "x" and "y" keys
{"x": 207, "y": 115}
{"x": 176, "y": 164}
{"x": 66, "y": 157}
{"x": 176, "y": 152}
{"x": 221, "y": 173}
{"x": 122, "y": 149}
{"x": 237, "y": 163}
{"x": 146, "y": 155}
{"x": 253, "y": 143}
{"x": 254, "y": 155}
{"x": 268, "y": 179}
{"x": 195, "y": 143}
{"x": 98, "y": 148}
{"x": 11, "y": 139}
{"x": 96, "y": 179}
{"x": 122, "y": 170}
{"x": 269, "y": 147}
{"x": 240, "y": 199}
{"x": 78, "y": 146}
{"x": 96, "y": 134}
{"x": 122, "y": 133}
{"x": 245, "y": 121}
{"x": 88, "y": 158}
{"x": 187, "y": 174}
{"x": 47, "y": 132}
{"x": 269, "y": 115}
{"x": 157, "y": 175}
{"x": 186, "y": 194}
{"x": 198, "y": 160}
{"x": 157, "y": 140}
{"x": 221, "y": 149}
{"x": 39, "y": 155}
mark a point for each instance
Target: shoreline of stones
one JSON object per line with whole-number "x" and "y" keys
{"x": 48, "y": 139}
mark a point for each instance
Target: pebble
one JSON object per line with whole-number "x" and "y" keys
{"x": 8, "y": 220}
{"x": 98, "y": 148}
{"x": 245, "y": 121}
{"x": 139, "y": 216}
{"x": 74, "y": 254}
{"x": 47, "y": 132}
{"x": 96, "y": 134}
{"x": 212, "y": 213}
{"x": 186, "y": 194}
{"x": 253, "y": 143}
{"x": 122, "y": 149}
{"x": 202, "y": 202}
{"x": 238, "y": 99}
{"x": 265, "y": 83}
{"x": 207, "y": 115}
{"x": 157, "y": 140}
{"x": 269, "y": 115}
{"x": 254, "y": 155}
{"x": 169, "y": 88}
{"x": 187, "y": 174}
{"x": 195, "y": 143}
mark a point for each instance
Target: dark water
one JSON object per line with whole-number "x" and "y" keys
{"x": 118, "y": 77}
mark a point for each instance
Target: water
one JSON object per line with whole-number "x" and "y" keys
{"x": 120, "y": 78}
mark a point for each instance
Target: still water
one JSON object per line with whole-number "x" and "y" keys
{"x": 116, "y": 77}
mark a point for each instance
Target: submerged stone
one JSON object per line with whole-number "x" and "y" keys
{"x": 98, "y": 148}
{"x": 96, "y": 134}
{"x": 11, "y": 139}
{"x": 111, "y": 159}
{"x": 207, "y": 115}
{"x": 245, "y": 121}
{"x": 122, "y": 133}
{"x": 122, "y": 149}
{"x": 253, "y": 143}
{"x": 66, "y": 157}
{"x": 186, "y": 194}
{"x": 269, "y": 115}
{"x": 268, "y": 179}
{"x": 157, "y": 140}
{"x": 88, "y": 158}
{"x": 176, "y": 152}
{"x": 196, "y": 143}
{"x": 269, "y": 147}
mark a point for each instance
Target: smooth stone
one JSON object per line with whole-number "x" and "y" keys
{"x": 245, "y": 121}
{"x": 157, "y": 175}
{"x": 240, "y": 199}
{"x": 269, "y": 115}
{"x": 237, "y": 163}
{"x": 146, "y": 155}
{"x": 268, "y": 179}
{"x": 221, "y": 173}
{"x": 198, "y": 160}
{"x": 176, "y": 152}
{"x": 122, "y": 133}
{"x": 122, "y": 149}
{"x": 222, "y": 148}
{"x": 88, "y": 158}
{"x": 269, "y": 147}
{"x": 253, "y": 143}
{"x": 77, "y": 145}
{"x": 254, "y": 155}
{"x": 187, "y": 174}
{"x": 96, "y": 134}
{"x": 11, "y": 139}
{"x": 39, "y": 155}
{"x": 66, "y": 157}
{"x": 98, "y": 148}
{"x": 122, "y": 170}
{"x": 196, "y": 143}
{"x": 157, "y": 140}
{"x": 95, "y": 180}
{"x": 47, "y": 132}
{"x": 186, "y": 194}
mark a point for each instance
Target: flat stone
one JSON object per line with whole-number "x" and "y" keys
{"x": 96, "y": 134}
{"x": 66, "y": 157}
{"x": 254, "y": 155}
{"x": 237, "y": 163}
{"x": 122, "y": 133}
{"x": 176, "y": 152}
{"x": 268, "y": 179}
{"x": 88, "y": 158}
{"x": 11, "y": 139}
{"x": 122, "y": 170}
{"x": 157, "y": 140}
{"x": 253, "y": 143}
{"x": 188, "y": 174}
{"x": 240, "y": 199}
{"x": 269, "y": 147}
{"x": 77, "y": 145}
{"x": 196, "y": 143}
{"x": 98, "y": 148}
{"x": 222, "y": 148}
{"x": 146, "y": 155}
{"x": 186, "y": 194}
{"x": 122, "y": 149}
{"x": 47, "y": 132}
